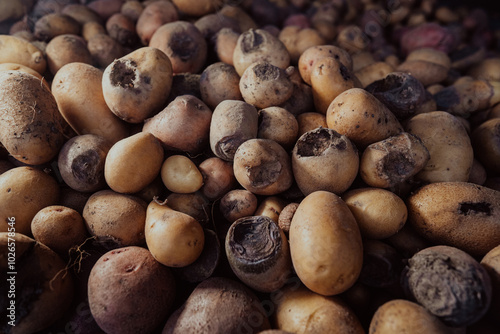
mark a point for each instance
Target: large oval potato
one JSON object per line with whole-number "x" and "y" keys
{"x": 459, "y": 214}
{"x": 325, "y": 244}
{"x": 20, "y": 51}
{"x": 32, "y": 129}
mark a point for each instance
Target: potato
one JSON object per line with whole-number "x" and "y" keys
{"x": 137, "y": 85}
{"x": 225, "y": 43}
{"x": 219, "y": 82}
{"x": 309, "y": 57}
{"x": 54, "y": 24}
{"x": 298, "y": 39}
{"x": 373, "y": 72}
{"x": 325, "y": 244}
{"x": 428, "y": 65}
{"x": 485, "y": 140}
{"x": 218, "y": 177}
{"x": 60, "y": 228}
{"x": 270, "y": 206}
{"x": 258, "y": 253}
{"x": 358, "y": 115}
{"x": 233, "y": 122}
{"x": 81, "y": 13}
{"x": 122, "y": 29}
{"x": 104, "y": 50}
{"x": 461, "y": 287}
{"x": 404, "y": 316}
{"x": 154, "y": 15}
{"x": 263, "y": 167}
{"x": 32, "y": 129}
{"x": 77, "y": 89}
{"x": 219, "y": 305}
{"x": 301, "y": 311}
{"x": 183, "y": 43}
{"x": 42, "y": 287}
{"x": 116, "y": 220}
{"x": 198, "y": 8}
{"x": 20, "y": 51}
{"x": 15, "y": 9}
{"x": 459, "y": 214}
{"x": 81, "y": 162}
{"x": 449, "y": 146}
{"x": 174, "y": 238}
{"x": 23, "y": 68}
{"x": 193, "y": 204}
{"x": 183, "y": 125}
{"x": 23, "y": 192}
{"x": 75, "y": 50}
{"x": 491, "y": 262}
{"x": 309, "y": 121}
{"x": 378, "y": 212}
{"x": 180, "y": 175}
{"x": 322, "y": 159}
{"x": 238, "y": 203}
{"x": 133, "y": 162}
{"x": 149, "y": 286}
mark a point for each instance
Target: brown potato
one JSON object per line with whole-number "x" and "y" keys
{"x": 92, "y": 28}
{"x": 54, "y": 24}
{"x": 193, "y": 204}
{"x": 23, "y": 68}
{"x": 373, "y": 72}
{"x": 270, "y": 206}
{"x": 309, "y": 121}
{"x": 325, "y": 244}
{"x": 32, "y": 129}
{"x": 225, "y": 43}
{"x": 298, "y": 39}
{"x": 81, "y": 13}
{"x": 104, "y": 50}
{"x": 485, "y": 139}
{"x": 136, "y": 86}
{"x": 218, "y": 177}
{"x": 122, "y": 29}
{"x": 75, "y": 50}
{"x": 154, "y": 15}
{"x": 311, "y": 55}
{"x": 238, "y": 203}
{"x": 491, "y": 262}
{"x": 23, "y": 192}
{"x": 198, "y": 8}
{"x": 219, "y": 82}
{"x": 132, "y": 9}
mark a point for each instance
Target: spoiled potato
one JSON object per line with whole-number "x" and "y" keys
{"x": 263, "y": 167}
{"x": 238, "y": 203}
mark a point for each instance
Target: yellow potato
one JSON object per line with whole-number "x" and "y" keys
{"x": 20, "y": 51}
{"x": 180, "y": 175}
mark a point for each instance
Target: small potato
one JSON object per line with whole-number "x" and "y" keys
{"x": 233, "y": 122}
{"x": 225, "y": 43}
{"x": 271, "y": 207}
{"x": 174, "y": 238}
{"x": 77, "y": 88}
{"x": 264, "y": 85}
{"x": 55, "y": 24}
{"x": 23, "y": 192}
{"x": 81, "y": 13}
{"x": 122, "y": 29}
{"x": 60, "y": 228}
{"x": 184, "y": 45}
{"x": 75, "y": 50}
{"x": 323, "y": 159}
{"x": 20, "y": 51}
{"x": 278, "y": 124}
{"x": 115, "y": 219}
{"x": 256, "y": 46}
{"x": 137, "y": 85}
{"x": 198, "y": 8}
{"x": 238, "y": 203}
{"x": 81, "y": 162}
{"x": 428, "y": 65}
{"x": 150, "y": 291}
{"x": 325, "y": 244}
{"x": 362, "y": 118}
{"x": 193, "y": 204}
{"x": 218, "y": 177}
{"x": 32, "y": 128}
{"x": 219, "y": 82}
{"x": 183, "y": 125}
{"x": 302, "y": 311}
{"x": 378, "y": 212}
{"x": 245, "y": 21}
{"x": 352, "y": 39}
{"x": 132, "y": 9}
{"x": 180, "y": 175}
{"x": 104, "y": 50}
{"x": 210, "y": 24}
{"x": 449, "y": 146}
{"x": 309, "y": 121}
{"x": 297, "y": 40}
{"x": 491, "y": 262}
{"x": 458, "y": 214}
{"x": 133, "y": 162}
{"x": 310, "y": 56}
{"x": 403, "y": 316}
{"x": 154, "y": 15}
{"x": 373, "y": 72}
{"x": 286, "y": 215}
{"x": 263, "y": 167}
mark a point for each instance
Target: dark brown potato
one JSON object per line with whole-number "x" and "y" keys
{"x": 219, "y": 82}
{"x": 485, "y": 141}
{"x": 286, "y": 215}
{"x": 122, "y": 29}
{"x": 81, "y": 13}
{"x": 461, "y": 286}
{"x": 238, "y": 203}
{"x": 104, "y": 50}
{"x": 382, "y": 265}
{"x": 55, "y": 24}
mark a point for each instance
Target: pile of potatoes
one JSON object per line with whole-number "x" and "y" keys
{"x": 252, "y": 166}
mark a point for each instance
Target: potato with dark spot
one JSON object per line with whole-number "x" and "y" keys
{"x": 81, "y": 162}
{"x": 149, "y": 286}
{"x": 323, "y": 159}
{"x": 286, "y": 215}
{"x": 460, "y": 287}
{"x": 55, "y": 24}
{"x": 458, "y": 214}
{"x": 238, "y": 203}
{"x": 122, "y": 29}
{"x": 263, "y": 167}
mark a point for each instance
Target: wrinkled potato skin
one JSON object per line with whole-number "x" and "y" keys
{"x": 17, "y": 50}
{"x": 325, "y": 244}
{"x": 459, "y": 214}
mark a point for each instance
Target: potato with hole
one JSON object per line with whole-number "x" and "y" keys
{"x": 149, "y": 286}
{"x": 325, "y": 244}
{"x": 263, "y": 167}
{"x": 449, "y": 146}
{"x": 116, "y": 220}
{"x": 458, "y": 214}
{"x": 181, "y": 175}
{"x": 17, "y": 50}
{"x": 174, "y": 238}
{"x": 301, "y": 311}
{"x": 183, "y": 125}
{"x": 77, "y": 88}
{"x": 136, "y": 86}
{"x": 32, "y": 129}
{"x": 323, "y": 159}
{"x": 133, "y": 162}
{"x": 60, "y": 228}
{"x": 379, "y": 212}
{"x": 23, "y": 192}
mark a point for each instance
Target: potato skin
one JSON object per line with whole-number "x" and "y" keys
{"x": 325, "y": 244}
{"x": 17, "y": 50}
{"x": 149, "y": 286}
{"x": 459, "y": 214}
{"x": 32, "y": 129}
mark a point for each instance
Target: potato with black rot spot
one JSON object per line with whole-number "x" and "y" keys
{"x": 380, "y": 213}
{"x": 174, "y": 238}
{"x": 181, "y": 175}
{"x": 238, "y": 203}
{"x": 137, "y": 85}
